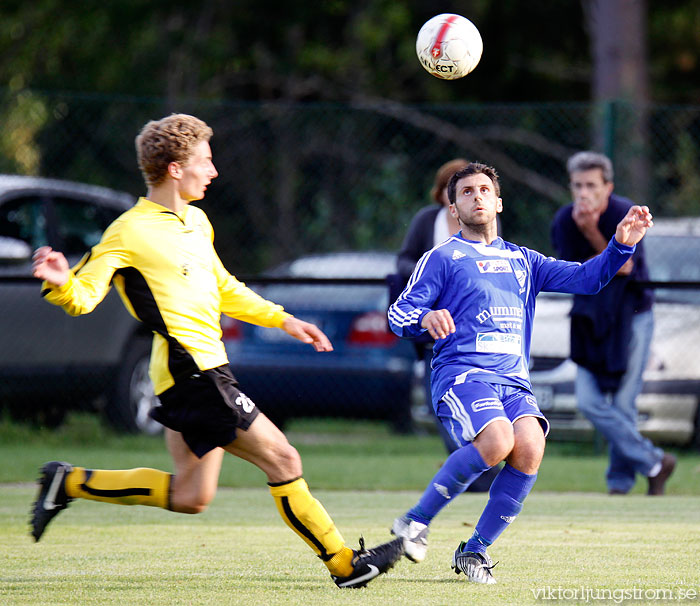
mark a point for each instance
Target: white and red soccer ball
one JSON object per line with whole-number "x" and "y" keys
{"x": 449, "y": 46}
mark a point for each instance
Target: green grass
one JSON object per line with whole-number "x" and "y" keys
{"x": 338, "y": 455}
{"x": 239, "y": 551}
{"x": 570, "y": 537}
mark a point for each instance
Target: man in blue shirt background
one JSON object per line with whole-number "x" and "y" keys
{"x": 612, "y": 330}
{"x": 475, "y": 294}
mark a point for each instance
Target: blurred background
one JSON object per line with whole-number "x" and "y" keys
{"x": 328, "y": 133}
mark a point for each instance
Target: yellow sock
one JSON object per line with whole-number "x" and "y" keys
{"x": 141, "y": 486}
{"x": 340, "y": 564}
{"x": 308, "y": 518}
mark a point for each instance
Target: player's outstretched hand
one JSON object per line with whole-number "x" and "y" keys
{"x": 634, "y": 225}
{"x": 307, "y": 333}
{"x": 50, "y": 265}
{"x": 439, "y": 323}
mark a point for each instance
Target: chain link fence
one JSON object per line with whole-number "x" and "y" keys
{"x": 319, "y": 178}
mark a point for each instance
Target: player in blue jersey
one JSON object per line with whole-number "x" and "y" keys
{"x": 475, "y": 295}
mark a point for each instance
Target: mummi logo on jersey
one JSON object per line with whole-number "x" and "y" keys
{"x": 531, "y": 401}
{"x": 485, "y": 403}
{"x": 494, "y": 266}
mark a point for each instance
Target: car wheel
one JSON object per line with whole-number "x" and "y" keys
{"x": 132, "y": 397}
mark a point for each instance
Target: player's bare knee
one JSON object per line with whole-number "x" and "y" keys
{"x": 286, "y": 460}
{"x": 495, "y": 442}
{"x": 189, "y": 504}
{"x": 529, "y": 445}
{"x": 527, "y": 454}
{"x": 496, "y": 452}
{"x": 186, "y": 499}
{"x": 191, "y": 509}
{"x": 292, "y": 460}
{"x": 536, "y": 454}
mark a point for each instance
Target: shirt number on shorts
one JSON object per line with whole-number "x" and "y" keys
{"x": 245, "y": 403}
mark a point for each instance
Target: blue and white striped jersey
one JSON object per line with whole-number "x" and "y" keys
{"x": 490, "y": 291}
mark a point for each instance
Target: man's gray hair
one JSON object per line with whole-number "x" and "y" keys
{"x": 588, "y": 160}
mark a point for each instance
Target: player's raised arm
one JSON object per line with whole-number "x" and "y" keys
{"x": 634, "y": 225}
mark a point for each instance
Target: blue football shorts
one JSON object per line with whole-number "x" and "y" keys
{"x": 466, "y": 408}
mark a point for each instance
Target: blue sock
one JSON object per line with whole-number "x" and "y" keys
{"x": 506, "y": 497}
{"x": 459, "y": 470}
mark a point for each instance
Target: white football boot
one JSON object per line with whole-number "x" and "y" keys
{"x": 414, "y": 535}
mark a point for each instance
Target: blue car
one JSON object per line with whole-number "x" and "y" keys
{"x": 369, "y": 374}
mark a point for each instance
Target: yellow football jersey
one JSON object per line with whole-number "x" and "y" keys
{"x": 170, "y": 277}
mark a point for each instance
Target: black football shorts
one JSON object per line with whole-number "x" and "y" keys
{"x": 206, "y": 409}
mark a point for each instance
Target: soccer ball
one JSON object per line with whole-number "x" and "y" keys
{"x": 449, "y": 46}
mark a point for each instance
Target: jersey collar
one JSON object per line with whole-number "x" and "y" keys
{"x": 147, "y": 205}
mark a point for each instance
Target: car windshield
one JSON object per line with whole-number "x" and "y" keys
{"x": 674, "y": 258}
{"x": 338, "y": 265}
{"x": 343, "y": 265}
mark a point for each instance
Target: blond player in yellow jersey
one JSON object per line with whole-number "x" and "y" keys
{"x": 161, "y": 258}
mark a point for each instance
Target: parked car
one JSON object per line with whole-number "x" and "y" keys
{"x": 51, "y": 362}
{"x": 668, "y": 405}
{"x": 370, "y": 372}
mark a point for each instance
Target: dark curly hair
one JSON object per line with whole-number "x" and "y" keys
{"x": 473, "y": 168}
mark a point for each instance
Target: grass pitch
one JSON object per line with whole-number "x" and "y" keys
{"x": 572, "y": 544}
{"x": 240, "y": 552}
{"x": 337, "y": 455}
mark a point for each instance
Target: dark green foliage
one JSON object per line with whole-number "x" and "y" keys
{"x": 335, "y": 50}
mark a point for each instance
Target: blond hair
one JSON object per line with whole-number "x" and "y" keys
{"x": 170, "y": 139}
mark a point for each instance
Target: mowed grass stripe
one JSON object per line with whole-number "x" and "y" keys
{"x": 337, "y": 454}
{"x": 240, "y": 552}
